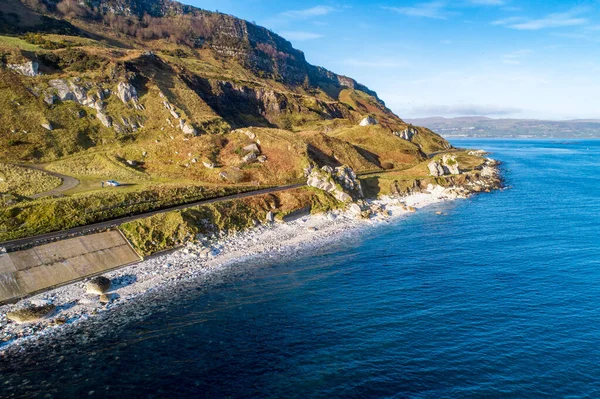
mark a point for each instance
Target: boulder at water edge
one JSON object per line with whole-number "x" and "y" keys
{"x": 30, "y": 314}
{"x": 98, "y": 285}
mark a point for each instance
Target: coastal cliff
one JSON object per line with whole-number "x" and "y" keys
{"x": 165, "y": 114}
{"x": 174, "y": 103}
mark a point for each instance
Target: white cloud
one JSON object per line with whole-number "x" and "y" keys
{"x": 555, "y": 20}
{"x": 515, "y": 57}
{"x": 434, "y": 9}
{"x": 507, "y": 21}
{"x": 316, "y": 11}
{"x": 300, "y": 35}
{"x": 579, "y": 36}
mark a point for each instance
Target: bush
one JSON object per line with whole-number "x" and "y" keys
{"x": 387, "y": 165}
{"x": 37, "y": 39}
{"x": 14, "y": 142}
{"x": 175, "y": 53}
{"x": 74, "y": 60}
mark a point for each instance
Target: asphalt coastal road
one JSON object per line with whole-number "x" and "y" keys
{"x": 70, "y": 182}
{"x": 116, "y": 222}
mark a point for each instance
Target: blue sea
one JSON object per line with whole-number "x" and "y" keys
{"x": 499, "y": 297}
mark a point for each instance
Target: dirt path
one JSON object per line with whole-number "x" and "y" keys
{"x": 68, "y": 182}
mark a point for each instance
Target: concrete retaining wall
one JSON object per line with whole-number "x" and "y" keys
{"x": 35, "y": 269}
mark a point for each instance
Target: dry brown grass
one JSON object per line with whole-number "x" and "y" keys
{"x": 382, "y": 143}
{"x": 24, "y": 181}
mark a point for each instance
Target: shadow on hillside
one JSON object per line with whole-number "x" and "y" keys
{"x": 320, "y": 157}
{"x": 368, "y": 155}
{"x": 238, "y": 106}
{"x": 371, "y": 186}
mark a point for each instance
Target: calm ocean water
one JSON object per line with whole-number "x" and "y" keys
{"x": 500, "y": 298}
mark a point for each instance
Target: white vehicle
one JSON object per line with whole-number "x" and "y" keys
{"x": 113, "y": 183}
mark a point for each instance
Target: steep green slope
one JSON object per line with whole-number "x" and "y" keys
{"x": 160, "y": 95}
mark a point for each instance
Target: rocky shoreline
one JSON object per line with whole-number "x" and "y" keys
{"x": 72, "y": 305}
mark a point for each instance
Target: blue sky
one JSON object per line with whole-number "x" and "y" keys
{"x": 498, "y": 58}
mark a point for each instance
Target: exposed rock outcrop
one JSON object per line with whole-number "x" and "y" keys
{"x": 407, "y": 134}
{"x": 71, "y": 91}
{"x": 368, "y": 121}
{"x": 251, "y": 148}
{"x": 435, "y": 168}
{"x": 29, "y": 68}
{"x": 187, "y": 129}
{"x": 104, "y": 119}
{"x": 171, "y": 109}
{"x": 252, "y": 153}
{"x": 126, "y": 92}
{"x": 63, "y": 91}
{"x": 447, "y": 165}
{"x": 477, "y": 153}
{"x": 334, "y": 181}
{"x": 249, "y": 157}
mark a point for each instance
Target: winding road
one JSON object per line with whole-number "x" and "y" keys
{"x": 68, "y": 182}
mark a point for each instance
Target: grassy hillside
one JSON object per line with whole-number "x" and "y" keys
{"x": 160, "y": 95}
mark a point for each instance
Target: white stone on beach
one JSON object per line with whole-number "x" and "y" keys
{"x": 270, "y": 217}
{"x": 355, "y": 208}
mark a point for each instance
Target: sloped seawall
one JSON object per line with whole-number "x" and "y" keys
{"x": 31, "y": 270}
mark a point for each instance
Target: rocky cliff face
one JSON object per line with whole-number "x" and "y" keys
{"x": 141, "y": 73}
{"x": 255, "y": 47}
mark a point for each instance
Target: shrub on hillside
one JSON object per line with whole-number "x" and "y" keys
{"x": 74, "y": 60}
